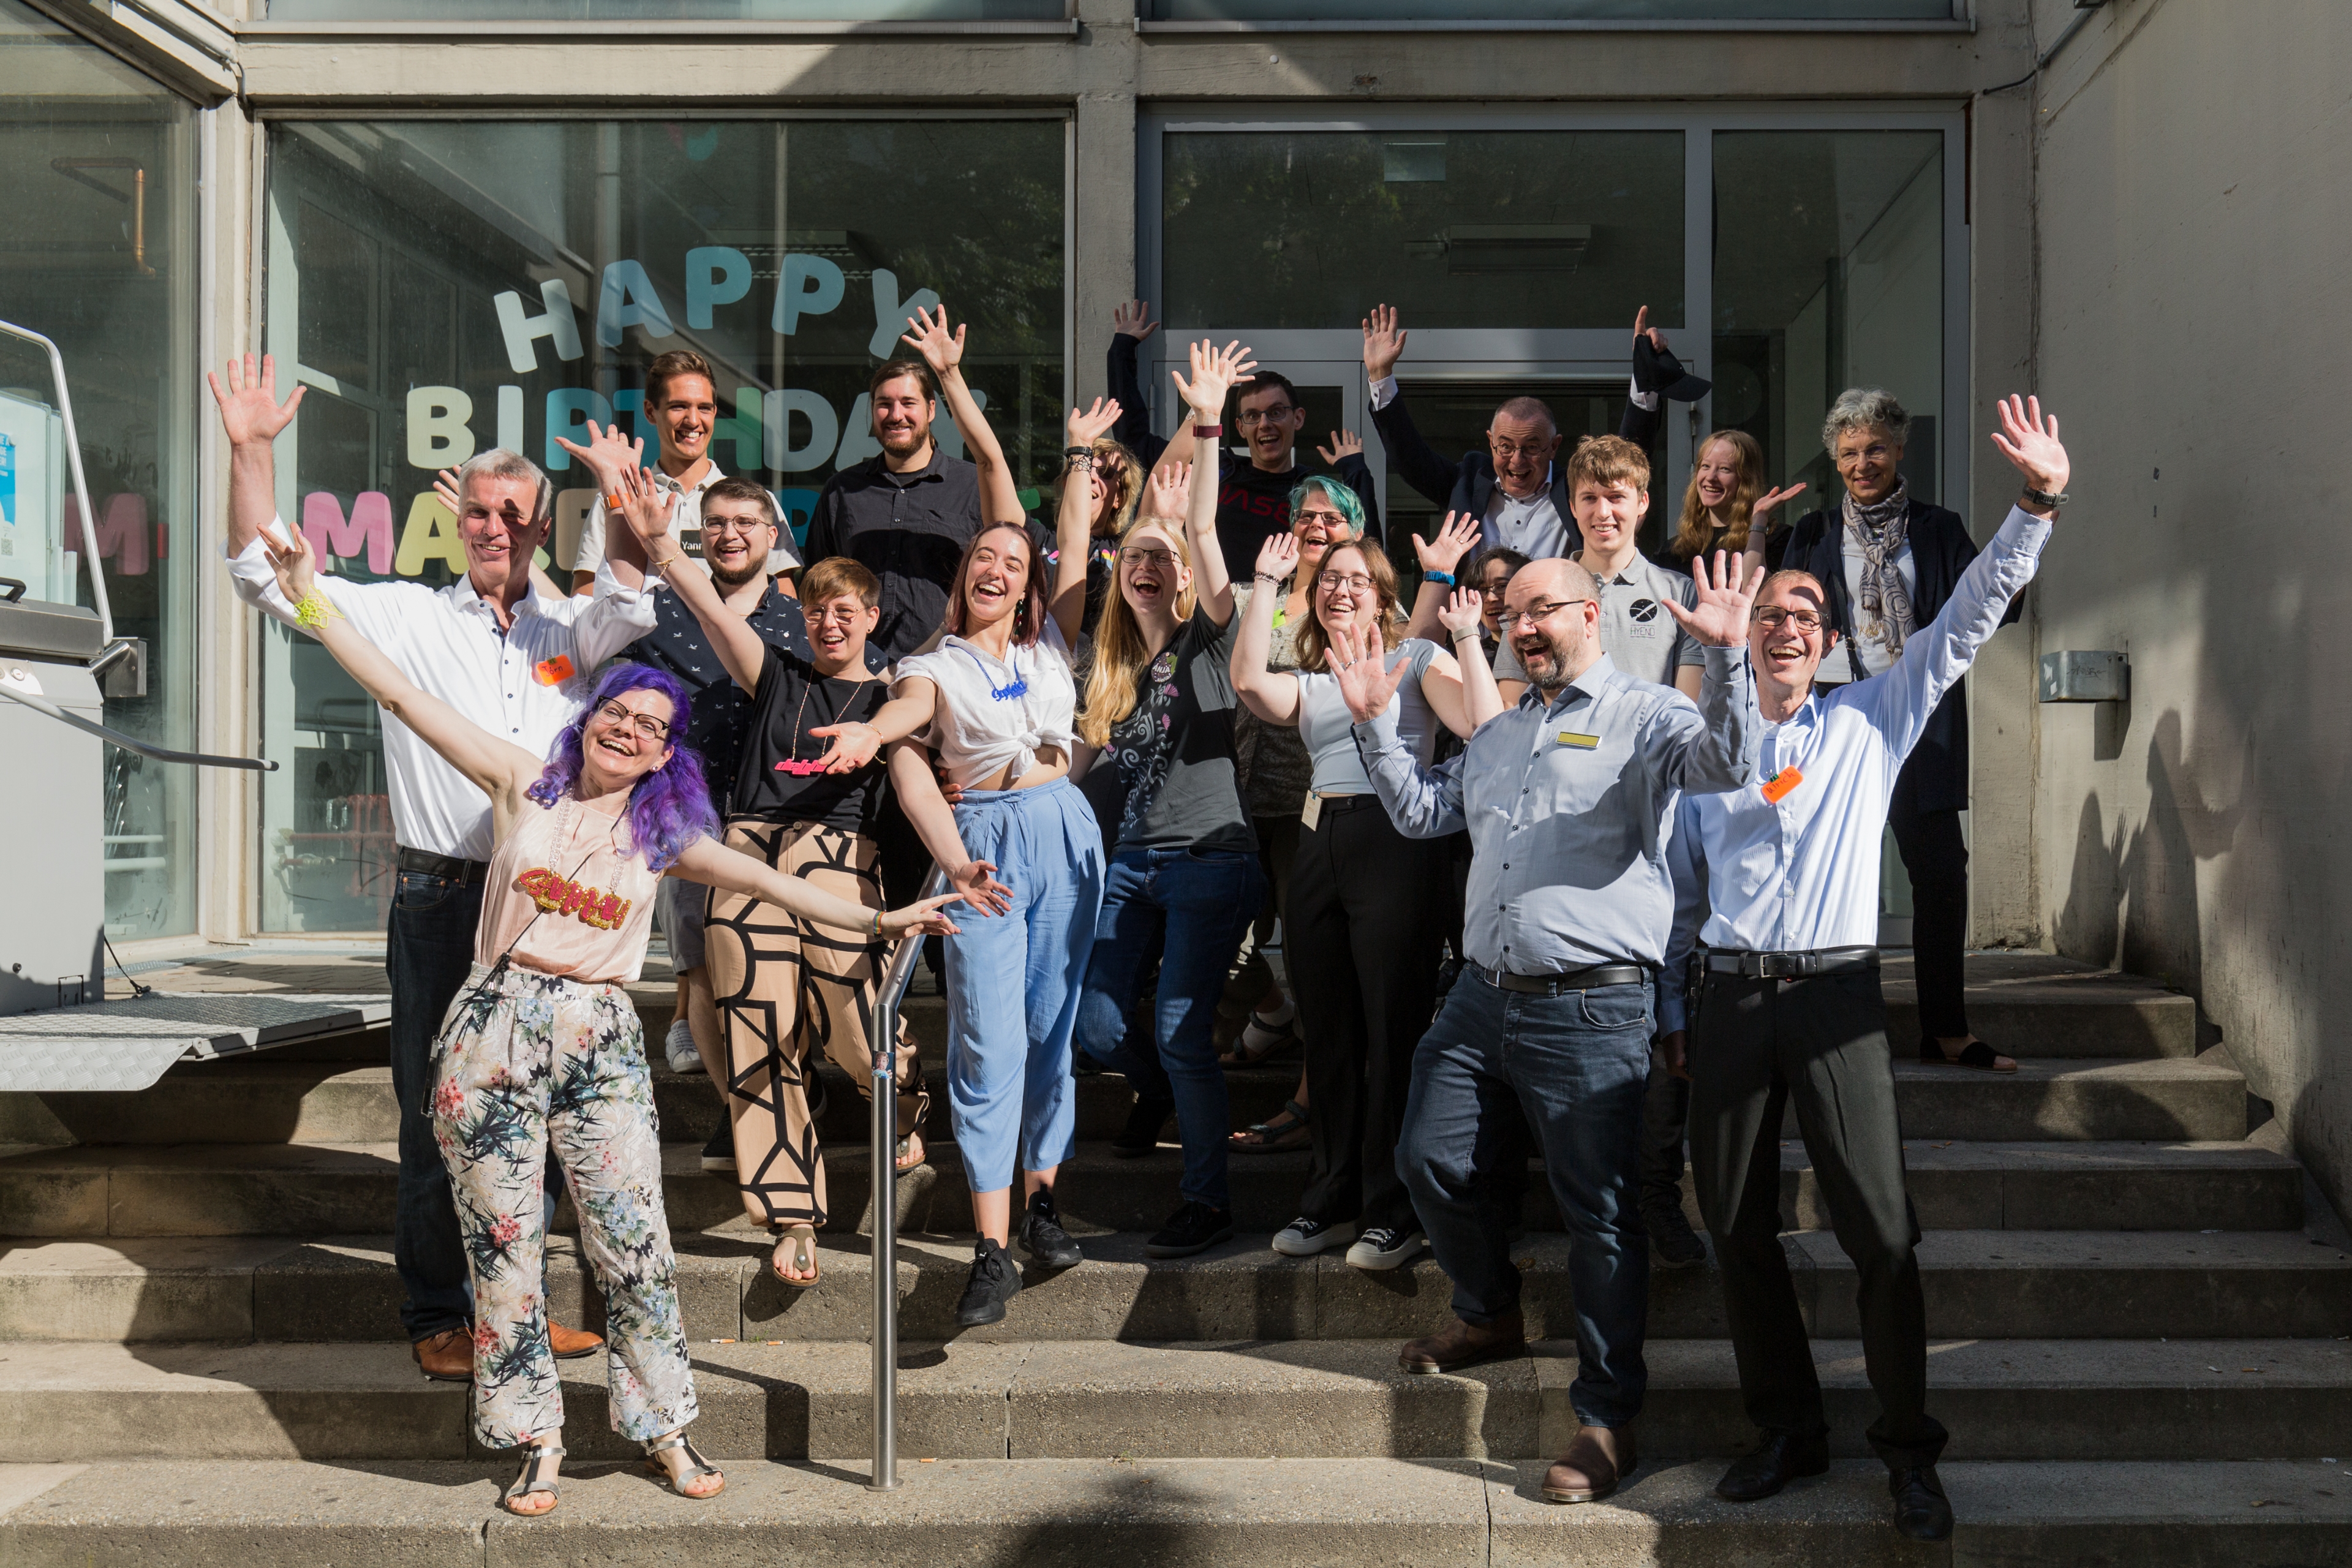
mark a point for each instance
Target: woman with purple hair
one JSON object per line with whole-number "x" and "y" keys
{"x": 544, "y": 1044}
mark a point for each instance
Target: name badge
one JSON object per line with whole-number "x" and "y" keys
{"x": 1581, "y": 743}
{"x": 554, "y": 671}
{"x": 1777, "y": 788}
{"x": 1312, "y": 812}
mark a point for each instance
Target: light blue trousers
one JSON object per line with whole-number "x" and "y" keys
{"x": 1014, "y": 978}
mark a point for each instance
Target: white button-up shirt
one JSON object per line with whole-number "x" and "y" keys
{"x": 447, "y": 641}
{"x": 1802, "y": 874}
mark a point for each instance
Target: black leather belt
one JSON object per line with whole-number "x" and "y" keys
{"x": 462, "y": 872}
{"x": 1591, "y": 978}
{"x": 1792, "y": 965}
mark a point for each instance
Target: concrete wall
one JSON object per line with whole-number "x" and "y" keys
{"x": 2192, "y": 160}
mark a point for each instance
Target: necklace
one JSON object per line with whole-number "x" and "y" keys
{"x": 792, "y": 764}
{"x": 1019, "y": 686}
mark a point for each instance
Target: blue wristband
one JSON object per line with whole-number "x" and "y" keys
{"x": 1444, "y": 577}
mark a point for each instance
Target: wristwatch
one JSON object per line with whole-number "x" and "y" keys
{"x": 2043, "y": 498}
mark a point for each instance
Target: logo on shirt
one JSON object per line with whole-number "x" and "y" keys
{"x": 562, "y": 896}
{"x": 1644, "y": 609}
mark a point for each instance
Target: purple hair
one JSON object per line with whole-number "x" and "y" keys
{"x": 670, "y": 808}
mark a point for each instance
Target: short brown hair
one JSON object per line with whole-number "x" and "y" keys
{"x": 735, "y": 486}
{"x": 677, "y": 361}
{"x": 891, "y": 370}
{"x": 836, "y": 575}
{"x": 1607, "y": 460}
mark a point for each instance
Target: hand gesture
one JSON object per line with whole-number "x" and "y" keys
{"x": 1456, "y": 537}
{"x": 940, "y": 349}
{"x": 607, "y": 455}
{"x": 1214, "y": 371}
{"x": 444, "y": 488}
{"x": 249, "y": 408}
{"x": 1673, "y": 1052}
{"x": 1760, "y": 515}
{"x": 854, "y": 745}
{"x": 297, "y": 568}
{"x": 922, "y": 918}
{"x": 1088, "y": 425}
{"x": 1130, "y": 319}
{"x": 1357, "y": 656}
{"x": 1278, "y": 557}
{"x": 1344, "y": 444}
{"x": 1170, "y": 495}
{"x": 647, "y": 506}
{"x": 975, "y": 884}
{"x": 2030, "y": 441}
{"x": 1461, "y": 611}
{"x": 1641, "y": 329}
{"x": 1383, "y": 342}
{"x": 1725, "y": 594}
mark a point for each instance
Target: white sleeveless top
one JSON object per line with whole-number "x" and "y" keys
{"x": 992, "y": 714}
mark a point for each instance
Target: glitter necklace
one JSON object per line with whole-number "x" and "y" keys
{"x": 792, "y": 764}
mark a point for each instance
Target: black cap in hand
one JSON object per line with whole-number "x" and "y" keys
{"x": 1657, "y": 369}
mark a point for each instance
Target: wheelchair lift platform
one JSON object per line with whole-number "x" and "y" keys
{"x": 126, "y": 1044}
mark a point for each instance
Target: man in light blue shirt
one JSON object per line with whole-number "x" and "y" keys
{"x": 1784, "y": 872}
{"x": 1569, "y": 910}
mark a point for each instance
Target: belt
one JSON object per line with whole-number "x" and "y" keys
{"x": 462, "y": 872}
{"x": 1590, "y": 978}
{"x": 1335, "y": 803}
{"x": 1792, "y": 965}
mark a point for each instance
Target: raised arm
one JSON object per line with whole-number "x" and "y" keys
{"x": 999, "y": 498}
{"x": 1131, "y": 323}
{"x": 731, "y": 870}
{"x": 1711, "y": 748}
{"x": 252, "y": 416}
{"x": 1074, "y": 521}
{"x": 1271, "y": 694}
{"x": 917, "y": 790}
{"x": 645, "y": 507}
{"x": 1409, "y": 454}
{"x": 1214, "y": 371}
{"x": 1481, "y": 698}
{"x": 1440, "y": 566}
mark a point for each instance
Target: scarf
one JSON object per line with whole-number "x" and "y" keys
{"x": 1885, "y": 609}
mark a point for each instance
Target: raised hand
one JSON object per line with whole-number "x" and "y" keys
{"x": 249, "y": 408}
{"x": 2030, "y": 441}
{"x": 975, "y": 883}
{"x": 1641, "y": 329}
{"x": 1461, "y": 611}
{"x": 1344, "y": 444}
{"x": 1132, "y": 320}
{"x": 1278, "y": 557}
{"x": 1383, "y": 342}
{"x": 296, "y": 567}
{"x": 1725, "y": 595}
{"x": 1214, "y": 371}
{"x": 607, "y": 455}
{"x": 1170, "y": 495}
{"x": 1087, "y": 426}
{"x": 1760, "y": 515}
{"x": 940, "y": 349}
{"x": 1456, "y": 537}
{"x": 444, "y": 487}
{"x": 854, "y": 745}
{"x": 646, "y": 507}
{"x": 925, "y": 917}
{"x": 1366, "y": 683}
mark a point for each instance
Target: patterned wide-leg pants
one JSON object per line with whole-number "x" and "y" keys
{"x": 522, "y": 1059}
{"x": 790, "y": 994}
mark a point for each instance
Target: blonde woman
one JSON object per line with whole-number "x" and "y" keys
{"x": 1725, "y": 506}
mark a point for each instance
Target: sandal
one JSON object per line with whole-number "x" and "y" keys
{"x": 696, "y": 1468}
{"x": 910, "y": 1153}
{"x": 1276, "y": 1042}
{"x": 530, "y": 1481}
{"x": 1975, "y": 1053}
{"x": 803, "y": 1256}
{"x": 1269, "y": 1138}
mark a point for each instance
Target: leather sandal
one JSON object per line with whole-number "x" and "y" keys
{"x": 909, "y": 1154}
{"x": 1265, "y": 1138}
{"x": 802, "y": 1241}
{"x": 530, "y": 1481}
{"x": 696, "y": 1468}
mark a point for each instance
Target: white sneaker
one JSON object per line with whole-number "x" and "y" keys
{"x": 1382, "y": 1248}
{"x": 1306, "y": 1238}
{"x": 679, "y": 1046}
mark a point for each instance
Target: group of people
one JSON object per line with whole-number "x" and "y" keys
{"x": 1576, "y": 854}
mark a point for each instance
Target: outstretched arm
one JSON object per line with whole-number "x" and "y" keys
{"x": 645, "y": 508}
{"x": 999, "y": 498}
{"x": 1065, "y": 600}
{"x": 731, "y": 870}
{"x": 1441, "y": 567}
{"x": 1214, "y": 371}
{"x": 1713, "y": 748}
{"x": 1131, "y": 323}
{"x": 1271, "y": 694}
{"x": 253, "y": 418}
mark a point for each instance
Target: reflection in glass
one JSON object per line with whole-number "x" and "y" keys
{"x": 1507, "y": 228}
{"x": 1537, "y": 10}
{"x": 662, "y": 10}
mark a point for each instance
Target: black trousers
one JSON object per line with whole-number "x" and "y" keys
{"x": 1365, "y": 916}
{"x": 1665, "y": 1108}
{"x": 1756, "y": 1046}
{"x": 1936, "y": 856}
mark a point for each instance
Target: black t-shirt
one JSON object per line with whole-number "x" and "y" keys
{"x": 1174, "y": 752}
{"x": 1254, "y": 505}
{"x": 791, "y": 701}
{"x": 909, "y": 529}
{"x": 721, "y": 710}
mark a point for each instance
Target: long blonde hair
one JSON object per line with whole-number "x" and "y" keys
{"x": 1691, "y": 535}
{"x": 1120, "y": 652}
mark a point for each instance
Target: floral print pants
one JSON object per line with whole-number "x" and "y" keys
{"x": 524, "y": 1057}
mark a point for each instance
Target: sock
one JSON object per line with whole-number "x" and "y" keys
{"x": 1279, "y": 1016}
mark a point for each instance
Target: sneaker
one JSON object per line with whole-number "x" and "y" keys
{"x": 719, "y": 1154}
{"x": 1673, "y": 1242}
{"x": 679, "y": 1045}
{"x": 993, "y": 1282}
{"x": 1145, "y": 1122}
{"x": 1195, "y": 1227}
{"x": 1305, "y": 1237}
{"x": 1042, "y": 1236}
{"x": 1385, "y": 1246}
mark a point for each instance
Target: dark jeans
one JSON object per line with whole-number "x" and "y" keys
{"x": 1189, "y": 909}
{"x": 1938, "y": 860}
{"x": 1360, "y": 937}
{"x": 428, "y": 952}
{"x": 1754, "y": 1046}
{"x": 1576, "y": 1063}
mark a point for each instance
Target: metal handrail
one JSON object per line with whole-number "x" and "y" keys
{"x": 885, "y": 1186}
{"x": 81, "y": 485}
{"x": 132, "y": 742}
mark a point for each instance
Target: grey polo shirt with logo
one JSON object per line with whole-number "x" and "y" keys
{"x": 1637, "y": 633}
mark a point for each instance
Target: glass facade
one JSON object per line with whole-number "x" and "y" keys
{"x": 96, "y": 175}
{"x": 1442, "y": 12}
{"x": 660, "y": 10}
{"x": 446, "y": 287}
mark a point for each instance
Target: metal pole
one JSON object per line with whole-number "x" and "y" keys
{"x": 884, "y": 1047}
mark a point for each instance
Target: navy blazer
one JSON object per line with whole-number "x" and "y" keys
{"x": 1467, "y": 484}
{"x": 1937, "y": 769}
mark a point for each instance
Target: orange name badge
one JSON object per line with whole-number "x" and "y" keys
{"x": 1777, "y": 788}
{"x": 554, "y": 671}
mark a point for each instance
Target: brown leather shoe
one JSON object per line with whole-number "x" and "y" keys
{"x": 571, "y": 1344}
{"x": 448, "y": 1356}
{"x": 1595, "y": 1462}
{"x": 1461, "y": 1344}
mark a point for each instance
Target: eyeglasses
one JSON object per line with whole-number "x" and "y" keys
{"x": 1771, "y": 617}
{"x": 833, "y": 615}
{"x": 1255, "y": 417}
{"x": 618, "y": 712}
{"x": 1876, "y": 454}
{"x": 1327, "y": 518}
{"x": 1135, "y": 556}
{"x": 746, "y": 526}
{"x": 1502, "y": 448}
{"x": 1510, "y": 618}
{"x": 1350, "y": 583}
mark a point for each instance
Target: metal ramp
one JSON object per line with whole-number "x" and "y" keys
{"x": 125, "y": 1045}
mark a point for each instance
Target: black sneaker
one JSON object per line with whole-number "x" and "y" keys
{"x": 1041, "y": 1234}
{"x": 719, "y": 1154}
{"x": 1144, "y": 1125}
{"x": 1673, "y": 1242}
{"x": 1195, "y": 1227}
{"x": 994, "y": 1281}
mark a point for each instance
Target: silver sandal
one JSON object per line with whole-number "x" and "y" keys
{"x": 530, "y": 1481}
{"x": 697, "y": 1467}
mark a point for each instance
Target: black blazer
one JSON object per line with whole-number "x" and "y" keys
{"x": 1937, "y": 769}
{"x": 1467, "y": 484}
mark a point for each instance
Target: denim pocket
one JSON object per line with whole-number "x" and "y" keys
{"x": 1616, "y": 1006}
{"x": 422, "y": 890}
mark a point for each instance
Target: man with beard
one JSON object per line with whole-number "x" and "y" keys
{"x": 1785, "y": 874}
{"x": 1569, "y": 910}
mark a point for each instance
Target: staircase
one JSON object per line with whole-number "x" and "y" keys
{"x": 2140, "y": 1322}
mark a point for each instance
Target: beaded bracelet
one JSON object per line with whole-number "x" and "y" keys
{"x": 314, "y": 610}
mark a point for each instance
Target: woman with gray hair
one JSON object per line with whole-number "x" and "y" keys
{"x": 1888, "y": 561}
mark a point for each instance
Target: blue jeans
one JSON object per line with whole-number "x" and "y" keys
{"x": 1197, "y": 904}
{"x": 1577, "y": 1063}
{"x": 428, "y": 952}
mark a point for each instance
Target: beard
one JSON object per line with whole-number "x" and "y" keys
{"x": 1543, "y": 662}
{"x": 727, "y": 579}
{"x": 900, "y": 445}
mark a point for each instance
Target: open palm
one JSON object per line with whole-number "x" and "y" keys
{"x": 1726, "y": 593}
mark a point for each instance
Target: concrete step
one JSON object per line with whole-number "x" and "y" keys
{"x": 1979, "y": 1284}
{"x": 2034, "y": 1004}
{"x": 2064, "y": 1399}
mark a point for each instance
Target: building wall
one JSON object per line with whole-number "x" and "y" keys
{"x": 2192, "y": 308}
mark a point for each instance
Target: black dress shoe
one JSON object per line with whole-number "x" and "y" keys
{"x": 1920, "y": 1511}
{"x": 1781, "y": 1460}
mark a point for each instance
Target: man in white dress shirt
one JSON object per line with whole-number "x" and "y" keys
{"x": 1784, "y": 873}
{"x": 517, "y": 662}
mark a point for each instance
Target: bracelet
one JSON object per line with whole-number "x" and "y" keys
{"x": 665, "y": 564}
{"x": 2043, "y": 498}
{"x": 1208, "y": 432}
{"x": 312, "y": 612}
{"x": 1079, "y": 460}
{"x": 878, "y": 923}
{"x": 1444, "y": 577}
{"x": 614, "y": 502}
{"x": 1077, "y": 451}
{"x": 1467, "y": 633}
{"x": 1267, "y": 577}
